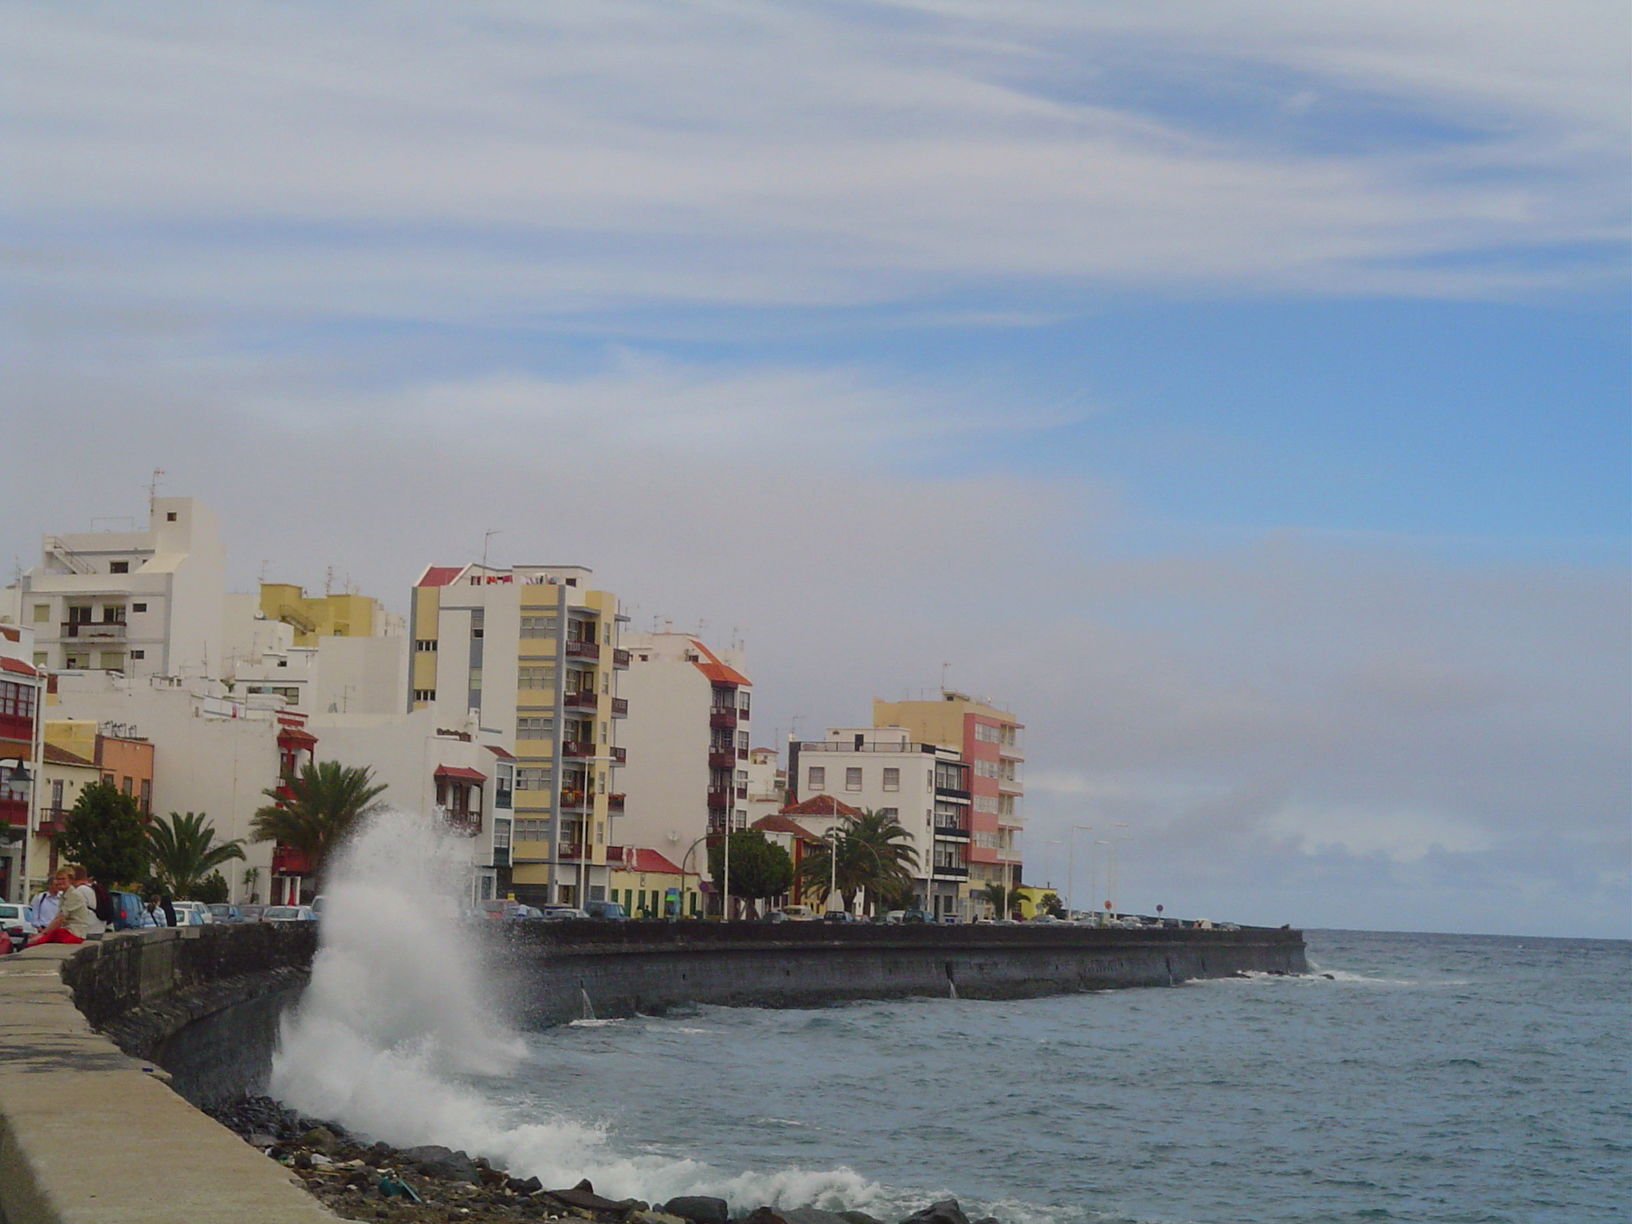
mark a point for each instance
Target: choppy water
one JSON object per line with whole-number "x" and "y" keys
{"x": 1433, "y": 1078}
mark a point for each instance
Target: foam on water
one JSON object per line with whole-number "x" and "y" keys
{"x": 396, "y": 1033}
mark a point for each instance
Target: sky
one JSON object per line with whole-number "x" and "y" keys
{"x": 1236, "y": 392}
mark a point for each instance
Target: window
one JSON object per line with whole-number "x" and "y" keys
{"x": 535, "y": 727}
{"x": 56, "y": 794}
{"x": 501, "y": 835}
{"x": 986, "y": 803}
{"x": 424, "y": 645}
{"x": 138, "y": 607}
{"x": 852, "y": 778}
{"x": 113, "y": 660}
{"x": 538, "y": 626}
{"x": 987, "y": 733}
{"x": 892, "y": 778}
{"x": 535, "y": 677}
{"x": 42, "y": 613}
{"x": 424, "y": 694}
{"x": 529, "y": 777}
{"x": 890, "y": 814}
{"x": 817, "y": 778}
{"x": 170, "y": 516}
{"x": 147, "y": 796}
{"x": 531, "y": 830}
{"x": 119, "y": 567}
{"x": 742, "y": 740}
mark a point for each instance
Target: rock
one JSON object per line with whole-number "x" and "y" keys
{"x": 699, "y": 1208}
{"x": 261, "y": 1139}
{"x": 530, "y": 1186}
{"x": 860, "y": 1217}
{"x": 651, "y": 1216}
{"x": 988, "y": 1220}
{"x": 434, "y": 1160}
{"x": 303, "y": 1160}
{"x": 946, "y": 1211}
{"x": 815, "y": 1215}
{"x": 763, "y": 1215}
{"x": 583, "y": 1200}
{"x": 319, "y": 1138}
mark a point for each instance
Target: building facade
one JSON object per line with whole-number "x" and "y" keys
{"x": 22, "y": 723}
{"x": 532, "y": 655}
{"x": 988, "y": 740}
{"x": 688, "y": 736}
{"x": 144, "y": 603}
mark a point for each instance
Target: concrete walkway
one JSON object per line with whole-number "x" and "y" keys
{"x": 90, "y": 1136}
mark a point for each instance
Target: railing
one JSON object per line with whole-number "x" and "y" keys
{"x": 719, "y": 798}
{"x": 583, "y": 650}
{"x": 951, "y": 792}
{"x": 620, "y": 756}
{"x": 850, "y": 746}
{"x": 948, "y": 872}
{"x": 614, "y": 803}
{"x": 953, "y": 832}
{"x": 50, "y": 821}
{"x": 571, "y": 850}
{"x": 577, "y": 748}
{"x": 722, "y": 758}
{"x": 573, "y": 799}
{"x": 722, "y": 717}
{"x": 583, "y": 699}
{"x": 94, "y": 630}
{"x": 620, "y": 707}
{"x": 620, "y": 658}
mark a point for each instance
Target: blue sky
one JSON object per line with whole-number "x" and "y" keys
{"x": 1239, "y": 392}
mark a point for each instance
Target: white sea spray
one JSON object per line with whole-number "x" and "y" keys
{"x": 398, "y": 1031}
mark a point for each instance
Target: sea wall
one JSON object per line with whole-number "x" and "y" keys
{"x": 552, "y": 971}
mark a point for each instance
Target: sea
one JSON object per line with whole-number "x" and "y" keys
{"x": 1459, "y": 1079}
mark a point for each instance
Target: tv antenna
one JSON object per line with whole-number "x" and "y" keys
{"x": 486, "y": 536}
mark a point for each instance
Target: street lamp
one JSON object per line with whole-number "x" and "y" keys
{"x": 19, "y": 777}
{"x": 1071, "y": 868}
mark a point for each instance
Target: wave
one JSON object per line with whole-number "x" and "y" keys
{"x": 396, "y": 1029}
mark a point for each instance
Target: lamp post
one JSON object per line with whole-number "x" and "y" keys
{"x": 19, "y": 777}
{"x": 1071, "y": 868}
{"x": 684, "y": 859}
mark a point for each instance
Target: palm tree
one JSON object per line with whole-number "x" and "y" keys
{"x": 998, "y": 896}
{"x": 314, "y": 810}
{"x": 874, "y": 852}
{"x": 182, "y": 854}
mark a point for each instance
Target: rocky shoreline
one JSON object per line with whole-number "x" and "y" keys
{"x": 361, "y": 1180}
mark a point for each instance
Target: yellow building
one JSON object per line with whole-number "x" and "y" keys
{"x": 77, "y": 753}
{"x": 649, "y": 885}
{"x": 533, "y": 653}
{"x": 315, "y": 616}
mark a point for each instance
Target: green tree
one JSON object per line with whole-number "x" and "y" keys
{"x": 104, "y": 834}
{"x": 998, "y": 897}
{"x": 182, "y": 853}
{"x": 212, "y": 890}
{"x": 1051, "y": 905}
{"x": 325, "y": 801}
{"x": 759, "y": 868}
{"x": 873, "y": 852}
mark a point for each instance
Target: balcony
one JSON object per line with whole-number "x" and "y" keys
{"x": 721, "y": 716}
{"x": 571, "y": 850}
{"x": 620, "y": 658}
{"x": 620, "y": 707}
{"x": 950, "y": 792}
{"x": 49, "y": 821}
{"x": 584, "y": 650}
{"x": 96, "y": 631}
{"x": 577, "y": 748}
{"x": 946, "y": 871}
{"x": 722, "y": 758}
{"x": 620, "y": 756}
{"x": 584, "y": 699}
{"x": 719, "y": 798}
{"x": 614, "y": 803}
{"x": 501, "y": 856}
{"x": 574, "y": 800}
{"x": 288, "y": 861}
{"x": 951, "y": 833}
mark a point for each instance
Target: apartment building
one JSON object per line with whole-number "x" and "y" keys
{"x": 688, "y": 736}
{"x": 142, "y": 602}
{"x": 462, "y": 777}
{"x": 767, "y": 784}
{"x": 925, "y": 786}
{"x": 77, "y": 753}
{"x": 989, "y": 741}
{"x": 532, "y": 654}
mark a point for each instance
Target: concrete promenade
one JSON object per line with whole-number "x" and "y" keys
{"x": 91, "y": 1136}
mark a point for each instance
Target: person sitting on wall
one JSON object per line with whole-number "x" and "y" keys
{"x": 72, "y": 919}
{"x": 95, "y": 923}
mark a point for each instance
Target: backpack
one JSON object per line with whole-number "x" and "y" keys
{"x": 104, "y": 902}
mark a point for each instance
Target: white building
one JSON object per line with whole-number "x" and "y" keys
{"x": 145, "y": 603}
{"x": 688, "y": 737}
{"x": 924, "y": 786}
{"x": 462, "y": 777}
{"x": 331, "y": 675}
{"x": 22, "y": 693}
{"x": 213, "y": 754}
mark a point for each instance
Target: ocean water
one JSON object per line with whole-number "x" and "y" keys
{"x": 1455, "y": 1079}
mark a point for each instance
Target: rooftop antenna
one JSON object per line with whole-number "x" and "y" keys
{"x": 328, "y": 581}
{"x": 944, "y": 666}
{"x": 261, "y": 577}
{"x": 153, "y": 488}
{"x": 486, "y": 536}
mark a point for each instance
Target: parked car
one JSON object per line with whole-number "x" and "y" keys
{"x": 604, "y": 909}
{"x": 14, "y": 922}
{"x": 839, "y": 916}
{"x": 223, "y": 912}
{"x": 193, "y": 907}
{"x": 909, "y": 915}
{"x": 129, "y": 912}
{"x": 289, "y": 913}
{"x": 317, "y": 905}
{"x": 552, "y": 912}
{"x": 499, "y": 908}
{"x": 251, "y": 913}
{"x": 797, "y": 913}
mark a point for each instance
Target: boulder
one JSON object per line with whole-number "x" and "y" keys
{"x": 529, "y": 1185}
{"x": 584, "y": 1201}
{"x": 434, "y": 1160}
{"x": 763, "y": 1215}
{"x": 860, "y": 1217}
{"x": 699, "y": 1209}
{"x": 320, "y": 1139}
{"x": 815, "y": 1215}
{"x": 946, "y": 1211}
